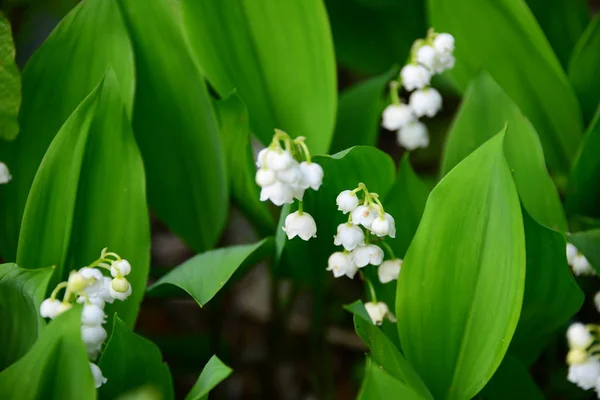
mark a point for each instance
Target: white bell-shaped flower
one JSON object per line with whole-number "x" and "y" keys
{"x": 100, "y": 289}
{"x": 364, "y": 215}
{"x": 389, "y": 270}
{"x": 120, "y": 267}
{"x": 279, "y": 193}
{"x": 265, "y": 177}
{"x": 427, "y": 57}
{"x": 444, "y": 43}
{"x": 92, "y": 315}
{"x": 395, "y": 116}
{"x": 261, "y": 158}
{"x": 425, "y": 102}
{"x": 413, "y": 136}
{"x": 49, "y": 308}
{"x": 385, "y": 226}
{"x": 97, "y": 301}
{"x": 347, "y": 201}
{"x": 378, "y": 311}
{"x": 579, "y": 336}
{"x": 581, "y": 266}
{"x": 585, "y": 374}
{"x": 444, "y": 62}
{"x": 341, "y": 264}
{"x": 120, "y": 289}
{"x": 5, "y": 176}
{"x": 312, "y": 174}
{"x": 279, "y": 160}
{"x": 572, "y": 253}
{"x": 368, "y": 254}
{"x": 99, "y": 379}
{"x": 415, "y": 76}
{"x": 290, "y": 175}
{"x": 91, "y": 273}
{"x": 349, "y": 236}
{"x": 302, "y": 225}
{"x": 93, "y": 335}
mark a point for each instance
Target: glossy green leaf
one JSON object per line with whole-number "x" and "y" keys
{"x": 214, "y": 372}
{"x": 10, "y": 83}
{"x": 175, "y": 127}
{"x": 130, "y": 361}
{"x": 588, "y": 243}
{"x": 511, "y": 381}
{"x": 461, "y": 287}
{"x": 203, "y": 275}
{"x": 503, "y": 38}
{"x": 486, "y": 109}
{"x": 89, "y": 193}
{"x": 277, "y": 54}
{"x": 370, "y": 36}
{"x": 359, "y": 112}
{"x": 21, "y": 293}
{"x": 378, "y": 384}
{"x": 235, "y": 134}
{"x": 56, "y": 367}
{"x": 583, "y": 69}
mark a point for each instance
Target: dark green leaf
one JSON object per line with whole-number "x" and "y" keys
{"x": 10, "y": 84}
{"x": 511, "y": 381}
{"x": 461, "y": 286}
{"x": 213, "y": 373}
{"x": 378, "y": 384}
{"x": 277, "y": 54}
{"x": 588, "y": 243}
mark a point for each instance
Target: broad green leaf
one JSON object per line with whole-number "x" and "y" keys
{"x": 61, "y": 73}
{"x": 461, "y": 286}
{"x": 235, "y": 134}
{"x": 214, "y": 372}
{"x": 588, "y": 243}
{"x": 486, "y": 109}
{"x": 511, "y": 381}
{"x": 21, "y": 293}
{"x": 583, "y": 193}
{"x": 10, "y": 83}
{"x": 563, "y": 23}
{"x": 89, "y": 193}
{"x": 378, "y": 384}
{"x": 583, "y": 69}
{"x": 56, "y": 367}
{"x": 203, "y": 275}
{"x": 503, "y": 38}
{"x": 370, "y": 36}
{"x": 359, "y": 112}
{"x": 277, "y": 54}
{"x": 175, "y": 127}
{"x": 307, "y": 261}
{"x": 130, "y": 361}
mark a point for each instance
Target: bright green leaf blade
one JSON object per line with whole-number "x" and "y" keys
{"x": 56, "y": 367}
{"x": 461, "y": 287}
{"x": 175, "y": 127}
{"x": 202, "y": 276}
{"x": 21, "y": 293}
{"x": 277, "y": 54}
{"x": 214, "y": 372}
{"x": 583, "y": 69}
{"x": 130, "y": 361}
{"x": 89, "y": 193}
{"x": 61, "y": 73}
{"x": 486, "y": 109}
{"x": 588, "y": 243}
{"x": 359, "y": 112}
{"x": 494, "y": 35}
{"x": 511, "y": 381}
{"x": 235, "y": 134}
{"x": 378, "y": 384}
{"x": 10, "y": 84}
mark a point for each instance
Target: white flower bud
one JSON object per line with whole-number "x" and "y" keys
{"x": 389, "y": 270}
{"x": 279, "y": 193}
{"x": 62, "y": 307}
{"x": 99, "y": 379}
{"x": 347, "y": 201}
{"x": 572, "y": 253}
{"x": 413, "y": 136}
{"x": 92, "y": 315}
{"x": 444, "y": 43}
{"x": 581, "y": 266}
{"x": 363, "y": 215}
{"x": 49, "y": 307}
{"x": 91, "y": 273}
{"x": 279, "y": 160}
{"x": 93, "y": 335}
{"x": 120, "y": 267}
{"x": 77, "y": 282}
{"x": 415, "y": 77}
{"x": 265, "y": 177}
{"x": 5, "y": 176}
{"x": 378, "y": 311}
{"x": 302, "y": 225}
{"x": 312, "y": 174}
{"x": 579, "y": 336}
{"x": 425, "y": 102}
{"x": 100, "y": 289}
{"x": 385, "y": 226}
{"x": 577, "y": 356}
{"x": 585, "y": 374}
{"x": 395, "y": 116}
{"x": 341, "y": 264}
{"x": 427, "y": 57}
{"x": 368, "y": 254}
{"x": 120, "y": 289}
{"x": 349, "y": 236}
{"x": 445, "y": 62}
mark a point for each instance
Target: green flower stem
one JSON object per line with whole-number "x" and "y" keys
{"x": 394, "y": 96}
{"x": 57, "y": 289}
{"x": 388, "y": 248}
{"x": 299, "y": 207}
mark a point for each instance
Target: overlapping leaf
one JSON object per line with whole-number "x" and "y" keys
{"x": 378, "y": 384}
{"x": 10, "y": 83}
{"x": 214, "y": 372}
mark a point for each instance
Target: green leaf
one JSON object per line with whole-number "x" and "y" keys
{"x": 485, "y": 109}
{"x": 494, "y": 35}
{"x": 56, "y": 367}
{"x": 61, "y": 73}
{"x": 277, "y": 54}
{"x": 175, "y": 127}
{"x": 511, "y": 381}
{"x": 10, "y": 84}
{"x": 89, "y": 193}
{"x": 21, "y": 293}
{"x": 583, "y": 68}
{"x": 370, "y": 36}
{"x": 588, "y": 243}
{"x": 130, "y": 361}
{"x": 235, "y": 134}
{"x": 461, "y": 287}
{"x": 214, "y": 372}
{"x": 203, "y": 275}
{"x": 359, "y": 112}
{"x": 378, "y": 384}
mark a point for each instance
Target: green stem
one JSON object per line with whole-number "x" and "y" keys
{"x": 394, "y": 96}
{"x": 57, "y": 289}
{"x": 300, "y": 207}
{"x": 388, "y": 248}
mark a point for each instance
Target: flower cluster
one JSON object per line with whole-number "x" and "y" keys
{"x": 429, "y": 56}
{"x": 578, "y": 262}
{"x": 90, "y": 287}
{"x": 367, "y": 224}
{"x": 283, "y": 180}
{"x": 5, "y": 176}
{"x": 584, "y": 365}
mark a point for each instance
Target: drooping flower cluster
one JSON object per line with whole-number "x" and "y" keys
{"x": 429, "y": 56}
{"x": 367, "y": 224}
{"x": 90, "y": 287}
{"x": 283, "y": 180}
{"x": 584, "y": 365}
{"x": 579, "y": 264}
{"x": 5, "y": 176}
